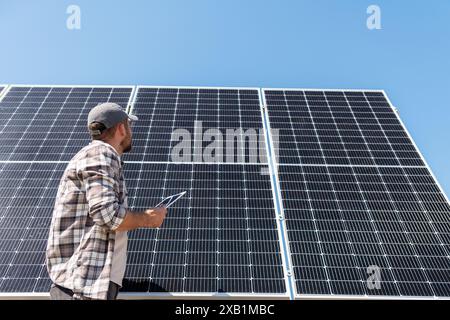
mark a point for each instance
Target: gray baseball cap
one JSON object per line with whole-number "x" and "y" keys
{"x": 109, "y": 114}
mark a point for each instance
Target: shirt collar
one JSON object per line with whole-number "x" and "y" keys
{"x": 108, "y": 145}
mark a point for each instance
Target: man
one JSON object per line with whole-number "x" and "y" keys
{"x": 86, "y": 250}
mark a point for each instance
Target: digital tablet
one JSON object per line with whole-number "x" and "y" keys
{"x": 170, "y": 200}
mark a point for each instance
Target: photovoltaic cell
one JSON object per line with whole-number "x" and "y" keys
{"x": 357, "y": 197}
{"x": 49, "y": 123}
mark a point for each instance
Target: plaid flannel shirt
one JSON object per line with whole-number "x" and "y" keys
{"x": 90, "y": 205}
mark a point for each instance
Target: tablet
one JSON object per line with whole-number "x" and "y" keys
{"x": 170, "y": 200}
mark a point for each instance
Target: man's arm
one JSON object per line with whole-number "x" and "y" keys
{"x": 150, "y": 218}
{"x": 99, "y": 173}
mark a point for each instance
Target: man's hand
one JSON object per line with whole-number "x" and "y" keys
{"x": 150, "y": 218}
{"x": 155, "y": 217}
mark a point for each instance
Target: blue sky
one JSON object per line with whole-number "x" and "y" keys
{"x": 307, "y": 44}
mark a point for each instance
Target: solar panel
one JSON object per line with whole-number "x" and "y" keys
{"x": 357, "y": 196}
{"x": 48, "y": 123}
{"x": 222, "y": 237}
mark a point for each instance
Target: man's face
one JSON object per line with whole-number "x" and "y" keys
{"x": 127, "y": 140}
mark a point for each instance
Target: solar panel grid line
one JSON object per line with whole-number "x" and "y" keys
{"x": 195, "y": 87}
{"x": 104, "y": 86}
{"x": 276, "y": 193}
{"x": 174, "y": 162}
{"x": 394, "y": 110}
{"x": 200, "y": 296}
{"x": 345, "y": 165}
{"x": 158, "y": 295}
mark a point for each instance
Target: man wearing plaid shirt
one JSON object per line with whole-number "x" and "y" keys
{"x": 86, "y": 250}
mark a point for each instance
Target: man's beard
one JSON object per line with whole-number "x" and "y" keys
{"x": 126, "y": 145}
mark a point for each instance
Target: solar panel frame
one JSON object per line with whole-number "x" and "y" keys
{"x": 3, "y": 89}
{"x": 276, "y": 164}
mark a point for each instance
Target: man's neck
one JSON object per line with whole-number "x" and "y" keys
{"x": 116, "y": 147}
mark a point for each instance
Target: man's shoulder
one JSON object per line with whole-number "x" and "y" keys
{"x": 96, "y": 152}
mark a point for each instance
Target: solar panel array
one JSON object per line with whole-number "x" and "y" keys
{"x": 348, "y": 190}
{"x": 357, "y": 195}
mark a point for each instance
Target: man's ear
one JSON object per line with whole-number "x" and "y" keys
{"x": 122, "y": 129}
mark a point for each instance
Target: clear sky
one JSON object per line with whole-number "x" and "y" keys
{"x": 304, "y": 44}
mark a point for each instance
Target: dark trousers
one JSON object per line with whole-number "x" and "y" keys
{"x": 60, "y": 293}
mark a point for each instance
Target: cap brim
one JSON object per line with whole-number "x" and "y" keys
{"x": 133, "y": 117}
